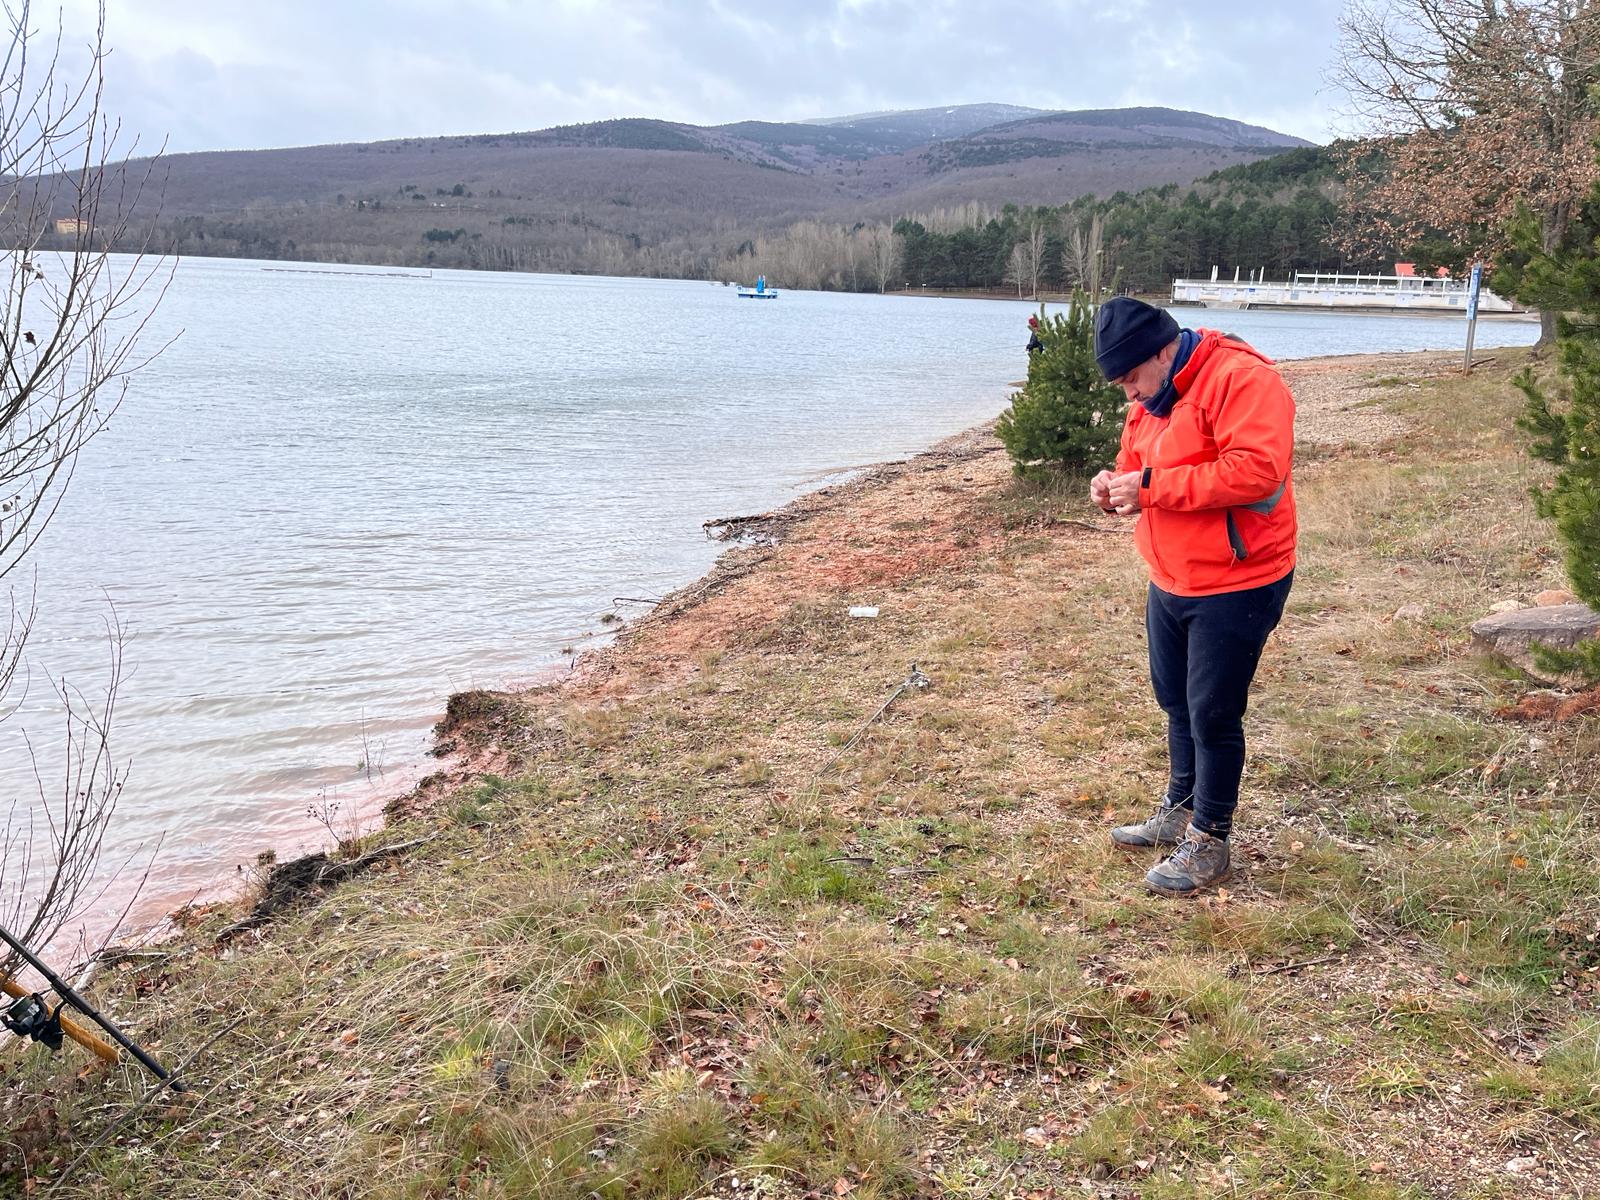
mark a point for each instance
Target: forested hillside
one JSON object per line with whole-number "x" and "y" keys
{"x": 1273, "y": 216}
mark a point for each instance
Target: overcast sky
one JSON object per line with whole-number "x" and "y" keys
{"x": 228, "y": 75}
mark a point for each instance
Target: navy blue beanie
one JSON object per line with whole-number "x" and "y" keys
{"x": 1128, "y": 332}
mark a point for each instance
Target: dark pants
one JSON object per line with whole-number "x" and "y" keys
{"x": 1203, "y": 655}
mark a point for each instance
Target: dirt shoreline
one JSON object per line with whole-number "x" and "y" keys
{"x": 1332, "y": 410}
{"x": 658, "y": 649}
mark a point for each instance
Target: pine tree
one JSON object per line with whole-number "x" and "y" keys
{"x": 1067, "y": 417}
{"x": 1568, "y": 432}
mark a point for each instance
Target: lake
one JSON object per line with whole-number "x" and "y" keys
{"x": 343, "y": 493}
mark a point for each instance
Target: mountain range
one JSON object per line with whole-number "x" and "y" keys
{"x": 532, "y": 197}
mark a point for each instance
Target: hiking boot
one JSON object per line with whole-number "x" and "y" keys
{"x": 1199, "y": 862}
{"x": 1164, "y": 828}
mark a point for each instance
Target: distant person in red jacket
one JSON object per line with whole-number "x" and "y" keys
{"x": 1033, "y": 336}
{"x": 1205, "y": 464}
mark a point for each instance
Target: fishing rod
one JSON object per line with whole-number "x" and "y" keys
{"x": 30, "y": 1017}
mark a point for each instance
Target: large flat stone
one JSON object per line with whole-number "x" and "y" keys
{"x": 1512, "y": 635}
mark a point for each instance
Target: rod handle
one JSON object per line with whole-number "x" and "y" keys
{"x": 78, "y": 1033}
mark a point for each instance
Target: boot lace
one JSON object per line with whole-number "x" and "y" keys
{"x": 1187, "y": 849}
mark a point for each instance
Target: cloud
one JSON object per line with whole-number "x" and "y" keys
{"x": 294, "y": 72}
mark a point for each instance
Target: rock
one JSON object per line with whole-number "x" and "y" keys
{"x": 1552, "y": 597}
{"x": 1409, "y": 612}
{"x": 1512, "y": 635}
{"x": 1501, "y": 606}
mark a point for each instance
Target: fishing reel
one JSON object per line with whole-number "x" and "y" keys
{"x": 29, "y": 1017}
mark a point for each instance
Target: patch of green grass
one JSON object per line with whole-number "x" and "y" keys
{"x": 804, "y": 871}
{"x": 613, "y": 1048}
{"x": 1035, "y": 503}
{"x": 862, "y": 993}
{"x": 1034, "y": 1015}
{"x": 679, "y": 1144}
{"x": 1300, "y": 1160}
{"x": 1565, "y": 1081}
{"x": 1494, "y": 896}
{"x": 1261, "y": 933}
{"x": 1349, "y": 752}
{"x": 593, "y": 727}
{"x": 1021, "y": 936}
{"x": 490, "y": 798}
{"x": 544, "y": 1150}
{"x": 1396, "y": 1080}
{"x": 813, "y": 1128}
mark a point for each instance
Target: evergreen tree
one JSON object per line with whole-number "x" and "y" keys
{"x": 1568, "y": 432}
{"x": 1067, "y": 417}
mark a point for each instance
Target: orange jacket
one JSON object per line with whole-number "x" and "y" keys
{"x": 1216, "y": 500}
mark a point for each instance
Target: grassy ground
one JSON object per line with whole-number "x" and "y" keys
{"x": 690, "y": 939}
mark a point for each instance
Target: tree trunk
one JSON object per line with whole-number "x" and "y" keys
{"x": 1553, "y": 224}
{"x": 1547, "y": 331}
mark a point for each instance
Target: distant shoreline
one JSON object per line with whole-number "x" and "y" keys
{"x": 1166, "y": 302}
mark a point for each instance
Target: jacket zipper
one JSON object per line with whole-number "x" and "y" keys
{"x": 1236, "y": 541}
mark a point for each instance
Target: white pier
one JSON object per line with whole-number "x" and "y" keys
{"x": 1356, "y": 293}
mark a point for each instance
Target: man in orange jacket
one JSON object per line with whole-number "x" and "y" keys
{"x": 1205, "y": 462}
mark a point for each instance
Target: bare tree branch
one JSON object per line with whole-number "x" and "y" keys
{"x": 1468, "y": 110}
{"x": 71, "y": 320}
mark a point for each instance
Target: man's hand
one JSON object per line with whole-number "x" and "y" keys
{"x": 1122, "y": 492}
{"x": 1100, "y": 490}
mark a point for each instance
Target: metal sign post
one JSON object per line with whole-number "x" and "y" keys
{"x": 1472, "y": 313}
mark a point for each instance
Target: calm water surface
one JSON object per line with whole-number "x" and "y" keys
{"x": 341, "y": 495}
